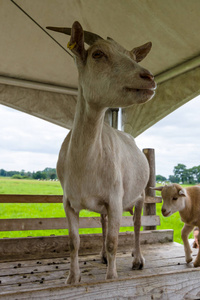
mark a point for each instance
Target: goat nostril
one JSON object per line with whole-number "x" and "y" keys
{"x": 147, "y": 76}
{"x": 163, "y": 210}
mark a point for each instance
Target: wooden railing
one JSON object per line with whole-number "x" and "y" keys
{"x": 58, "y": 246}
{"x": 61, "y": 223}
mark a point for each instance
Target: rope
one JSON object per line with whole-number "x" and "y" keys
{"x": 40, "y": 26}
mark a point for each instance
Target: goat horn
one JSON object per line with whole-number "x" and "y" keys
{"x": 89, "y": 37}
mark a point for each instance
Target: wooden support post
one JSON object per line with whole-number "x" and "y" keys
{"x": 150, "y": 209}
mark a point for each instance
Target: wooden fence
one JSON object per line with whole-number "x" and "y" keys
{"x": 61, "y": 223}
{"x": 58, "y": 246}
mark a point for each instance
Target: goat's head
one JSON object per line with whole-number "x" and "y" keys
{"x": 109, "y": 75}
{"x": 173, "y": 198}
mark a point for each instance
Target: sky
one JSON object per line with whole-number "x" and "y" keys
{"x": 31, "y": 144}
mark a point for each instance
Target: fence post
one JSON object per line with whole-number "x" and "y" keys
{"x": 150, "y": 209}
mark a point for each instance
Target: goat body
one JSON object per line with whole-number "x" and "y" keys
{"x": 101, "y": 169}
{"x": 187, "y": 202}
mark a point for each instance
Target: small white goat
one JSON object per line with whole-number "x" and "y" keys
{"x": 100, "y": 168}
{"x": 187, "y": 202}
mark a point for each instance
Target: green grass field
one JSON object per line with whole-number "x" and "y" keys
{"x": 34, "y": 187}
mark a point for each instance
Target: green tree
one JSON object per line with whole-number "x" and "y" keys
{"x": 191, "y": 176}
{"x": 3, "y": 172}
{"x": 160, "y": 178}
{"x": 196, "y": 173}
{"x": 180, "y": 172}
{"x": 173, "y": 179}
{"x": 37, "y": 175}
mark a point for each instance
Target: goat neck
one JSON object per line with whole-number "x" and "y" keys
{"x": 88, "y": 124}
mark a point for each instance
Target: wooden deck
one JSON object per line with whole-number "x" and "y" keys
{"x": 165, "y": 276}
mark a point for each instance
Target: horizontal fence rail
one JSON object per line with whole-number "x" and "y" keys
{"x": 10, "y": 198}
{"x": 61, "y": 223}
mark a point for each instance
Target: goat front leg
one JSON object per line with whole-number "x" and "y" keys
{"x": 74, "y": 243}
{"x": 114, "y": 221}
{"x": 184, "y": 235}
{"x": 197, "y": 260}
{"x": 104, "y": 221}
{"x": 138, "y": 260}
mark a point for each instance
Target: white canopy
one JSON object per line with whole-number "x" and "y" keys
{"x": 39, "y": 77}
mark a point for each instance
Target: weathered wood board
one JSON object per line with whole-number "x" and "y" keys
{"x": 61, "y": 223}
{"x": 165, "y": 276}
{"x": 12, "y": 198}
{"x": 58, "y": 246}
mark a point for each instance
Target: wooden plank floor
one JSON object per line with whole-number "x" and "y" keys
{"x": 165, "y": 276}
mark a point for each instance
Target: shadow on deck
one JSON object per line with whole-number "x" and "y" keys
{"x": 165, "y": 276}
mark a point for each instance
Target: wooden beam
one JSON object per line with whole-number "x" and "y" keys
{"x": 10, "y": 198}
{"x": 150, "y": 209}
{"x": 177, "y": 285}
{"x": 152, "y": 199}
{"x": 12, "y": 249}
{"x": 61, "y": 223}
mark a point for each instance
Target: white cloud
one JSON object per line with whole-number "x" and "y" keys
{"x": 175, "y": 138}
{"x": 27, "y": 142}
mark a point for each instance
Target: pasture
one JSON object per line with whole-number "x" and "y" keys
{"x": 34, "y": 187}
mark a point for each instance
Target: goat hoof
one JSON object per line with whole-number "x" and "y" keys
{"x": 112, "y": 276}
{"x": 196, "y": 263}
{"x": 138, "y": 264}
{"x": 188, "y": 260}
{"x": 73, "y": 279}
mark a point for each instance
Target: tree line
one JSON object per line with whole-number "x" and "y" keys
{"x": 46, "y": 174}
{"x": 183, "y": 175}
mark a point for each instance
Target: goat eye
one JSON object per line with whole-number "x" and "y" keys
{"x": 97, "y": 54}
{"x": 174, "y": 198}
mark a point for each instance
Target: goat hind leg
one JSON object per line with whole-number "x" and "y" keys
{"x": 74, "y": 242}
{"x": 197, "y": 260}
{"x": 138, "y": 260}
{"x": 104, "y": 221}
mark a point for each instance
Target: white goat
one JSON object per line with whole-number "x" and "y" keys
{"x": 101, "y": 169}
{"x": 187, "y": 202}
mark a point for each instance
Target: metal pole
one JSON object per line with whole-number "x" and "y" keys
{"x": 115, "y": 117}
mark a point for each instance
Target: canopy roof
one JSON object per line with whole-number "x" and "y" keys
{"x": 39, "y": 77}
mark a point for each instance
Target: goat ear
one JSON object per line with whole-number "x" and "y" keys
{"x": 182, "y": 193}
{"x": 76, "y": 43}
{"x": 142, "y": 51}
{"x": 159, "y": 188}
